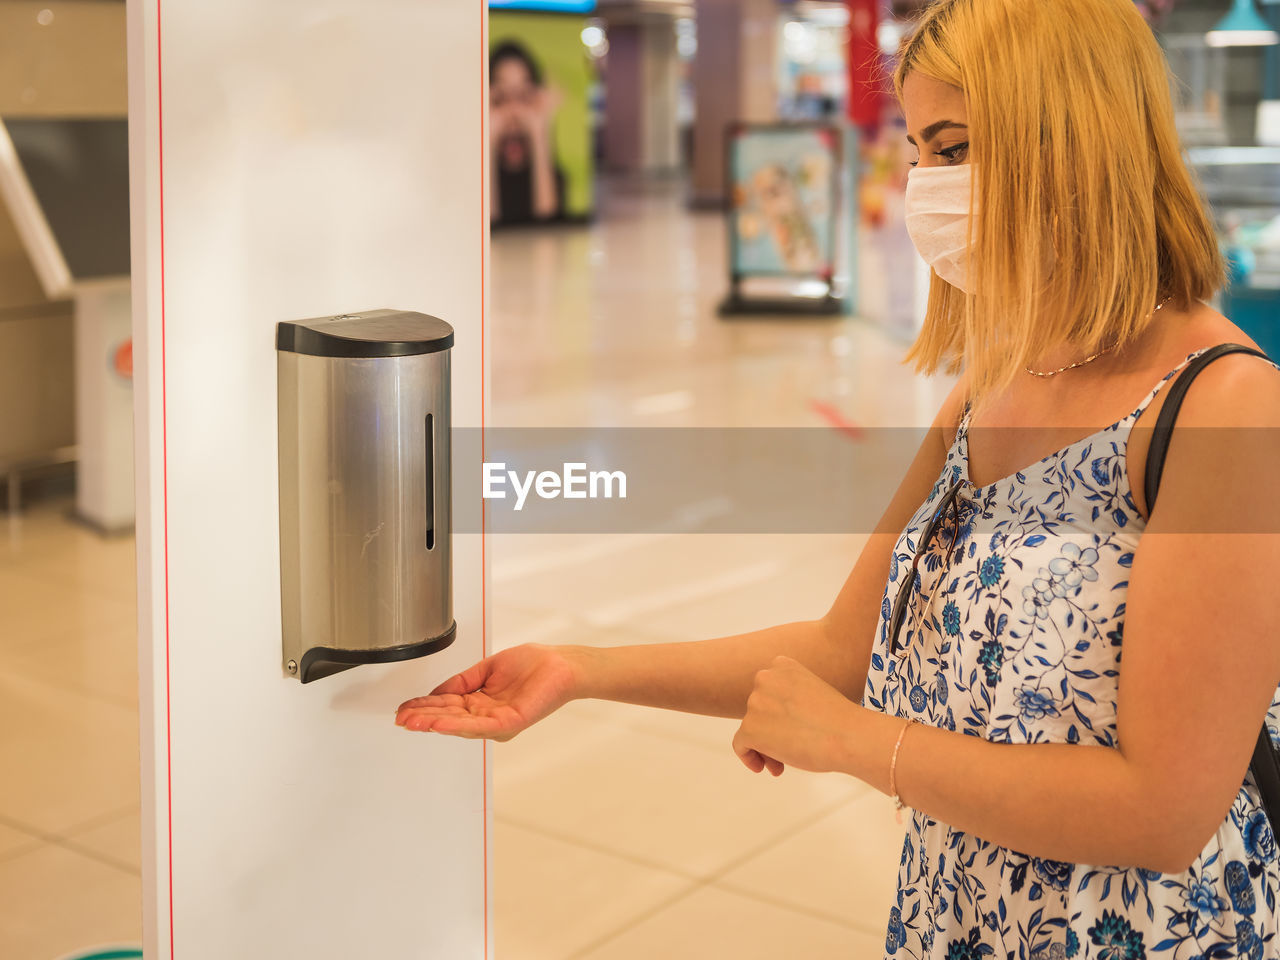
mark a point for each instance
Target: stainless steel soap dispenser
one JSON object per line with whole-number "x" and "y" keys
{"x": 365, "y": 567}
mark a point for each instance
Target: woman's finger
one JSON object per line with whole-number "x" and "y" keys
{"x": 432, "y": 700}
{"x": 404, "y": 716}
{"x": 432, "y": 705}
{"x": 458, "y": 726}
{"x": 754, "y": 762}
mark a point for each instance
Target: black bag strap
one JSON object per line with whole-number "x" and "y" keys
{"x": 1265, "y": 764}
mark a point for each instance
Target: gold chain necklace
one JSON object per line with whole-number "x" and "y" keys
{"x": 1088, "y": 359}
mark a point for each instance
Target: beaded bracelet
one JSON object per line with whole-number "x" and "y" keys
{"x": 893, "y": 773}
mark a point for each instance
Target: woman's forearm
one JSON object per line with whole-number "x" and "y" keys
{"x": 1070, "y": 802}
{"x": 710, "y": 677}
{"x": 715, "y": 677}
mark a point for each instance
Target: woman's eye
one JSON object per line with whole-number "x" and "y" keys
{"x": 954, "y": 153}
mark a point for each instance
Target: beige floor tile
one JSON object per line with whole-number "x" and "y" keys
{"x": 551, "y": 899}
{"x": 845, "y": 866}
{"x": 516, "y": 625}
{"x": 118, "y": 840}
{"x": 515, "y": 556}
{"x": 671, "y": 804}
{"x": 47, "y": 541}
{"x": 698, "y": 586}
{"x": 14, "y": 840}
{"x": 801, "y": 590}
{"x": 558, "y": 740}
{"x": 78, "y": 758}
{"x": 711, "y": 733}
{"x": 102, "y": 662}
{"x": 713, "y": 924}
{"x": 100, "y": 567}
{"x": 55, "y": 547}
{"x": 56, "y": 901}
{"x": 42, "y": 526}
{"x": 644, "y": 576}
{"x": 512, "y": 626}
{"x": 34, "y": 610}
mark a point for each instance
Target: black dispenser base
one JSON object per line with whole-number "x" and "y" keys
{"x": 320, "y": 662}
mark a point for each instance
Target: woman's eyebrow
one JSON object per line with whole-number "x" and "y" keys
{"x": 933, "y": 129}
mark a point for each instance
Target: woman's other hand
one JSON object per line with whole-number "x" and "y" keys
{"x": 496, "y": 698}
{"x": 794, "y": 718}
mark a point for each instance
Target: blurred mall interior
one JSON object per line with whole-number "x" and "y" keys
{"x": 644, "y": 273}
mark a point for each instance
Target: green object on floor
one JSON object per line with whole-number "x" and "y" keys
{"x": 108, "y": 953}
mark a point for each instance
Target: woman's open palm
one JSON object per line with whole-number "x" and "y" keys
{"x": 496, "y": 698}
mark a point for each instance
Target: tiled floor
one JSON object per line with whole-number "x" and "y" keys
{"x": 670, "y": 847}
{"x": 69, "y": 857}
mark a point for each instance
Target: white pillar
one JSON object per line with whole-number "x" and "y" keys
{"x": 294, "y": 159}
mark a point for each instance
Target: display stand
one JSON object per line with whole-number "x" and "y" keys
{"x": 784, "y": 215}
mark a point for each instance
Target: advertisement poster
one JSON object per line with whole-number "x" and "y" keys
{"x": 785, "y": 200}
{"x": 539, "y": 128}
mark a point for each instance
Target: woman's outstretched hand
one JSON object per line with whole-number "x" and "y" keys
{"x": 498, "y": 697}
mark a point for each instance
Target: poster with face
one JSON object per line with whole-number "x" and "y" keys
{"x": 539, "y": 131}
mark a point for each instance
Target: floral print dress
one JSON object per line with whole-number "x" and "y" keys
{"x": 1022, "y": 644}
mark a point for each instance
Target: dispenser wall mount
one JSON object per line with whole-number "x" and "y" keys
{"x": 365, "y": 502}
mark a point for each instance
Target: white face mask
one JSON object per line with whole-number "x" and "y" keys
{"x": 937, "y": 215}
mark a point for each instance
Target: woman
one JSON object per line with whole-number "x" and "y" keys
{"x": 528, "y": 186}
{"x": 1062, "y": 807}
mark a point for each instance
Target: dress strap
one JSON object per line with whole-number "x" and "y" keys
{"x": 1155, "y": 391}
{"x": 962, "y": 430}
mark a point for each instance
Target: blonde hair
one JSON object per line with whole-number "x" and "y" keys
{"x": 1086, "y": 215}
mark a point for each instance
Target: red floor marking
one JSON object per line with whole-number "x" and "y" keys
{"x": 835, "y": 419}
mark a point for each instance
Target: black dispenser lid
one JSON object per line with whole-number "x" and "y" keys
{"x": 373, "y": 333}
